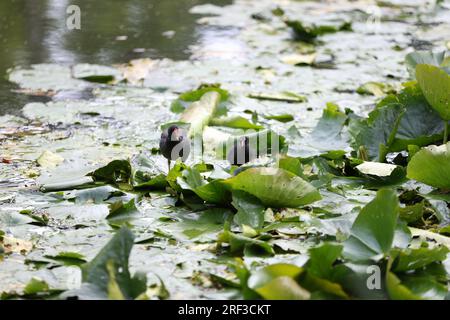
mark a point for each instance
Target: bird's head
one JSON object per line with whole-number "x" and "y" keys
{"x": 175, "y": 133}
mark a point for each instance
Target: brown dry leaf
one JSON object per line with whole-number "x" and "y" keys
{"x": 299, "y": 59}
{"x": 11, "y": 244}
{"x": 136, "y": 70}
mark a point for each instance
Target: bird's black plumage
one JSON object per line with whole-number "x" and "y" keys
{"x": 242, "y": 152}
{"x": 174, "y": 144}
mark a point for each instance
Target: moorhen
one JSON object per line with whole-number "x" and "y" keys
{"x": 174, "y": 144}
{"x": 241, "y": 152}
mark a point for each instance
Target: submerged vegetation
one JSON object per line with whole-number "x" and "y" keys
{"x": 348, "y": 197}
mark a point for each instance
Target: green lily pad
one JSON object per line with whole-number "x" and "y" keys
{"x": 435, "y": 85}
{"x": 431, "y": 165}
{"x": 412, "y": 259}
{"x": 373, "y": 231}
{"x": 376, "y": 89}
{"x": 275, "y": 187}
{"x": 377, "y": 133}
{"x": 309, "y": 33}
{"x": 240, "y": 244}
{"x": 423, "y": 57}
{"x": 200, "y": 112}
{"x": 234, "y": 122}
{"x": 250, "y": 210}
{"x": 120, "y": 213}
{"x": 277, "y": 282}
{"x": 411, "y": 129}
{"x": 108, "y": 272}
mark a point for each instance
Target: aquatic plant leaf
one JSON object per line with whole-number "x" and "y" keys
{"x": 377, "y": 89}
{"x": 120, "y": 213}
{"x": 250, "y": 210}
{"x": 416, "y": 258}
{"x": 327, "y": 135}
{"x": 321, "y": 259}
{"x": 377, "y": 133}
{"x": 96, "y": 73}
{"x": 275, "y": 187}
{"x": 412, "y": 59}
{"x": 113, "y": 260}
{"x": 147, "y": 174}
{"x": 281, "y": 117}
{"x": 381, "y": 174}
{"x": 116, "y": 172}
{"x": 373, "y": 231}
{"x": 234, "y": 122}
{"x": 431, "y": 165}
{"x": 68, "y": 258}
{"x": 200, "y": 112}
{"x": 277, "y": 282}
{"x": 309, "y": 33}
{"x": 435, "y": 85}
{"x": 285, "y": 96}
{"x": 242, "y": 245}
{"x": 412, "y": 130}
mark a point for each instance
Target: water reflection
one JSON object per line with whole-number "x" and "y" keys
{"x": 111, "y": 31}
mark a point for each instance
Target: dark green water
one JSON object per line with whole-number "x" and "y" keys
{"x": 34, "y": 31}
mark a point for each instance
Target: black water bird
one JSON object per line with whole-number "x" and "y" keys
{"x": 242, "y": 152}
{"x": 174, "y": 144}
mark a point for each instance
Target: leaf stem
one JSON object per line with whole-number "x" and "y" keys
{"x": 445, "y": 132}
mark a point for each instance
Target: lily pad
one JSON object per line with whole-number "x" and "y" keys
{"x": 431, "y": 165}
{"x": 373, "y": 231}
{"x": 277, "y": 282}
{"x": 275, "y": 187}
{"x": 108, "y": 272}
{"x": 435, "y": 85}
{"x": 423, "y": 57}
{"x": 200, "y": 112}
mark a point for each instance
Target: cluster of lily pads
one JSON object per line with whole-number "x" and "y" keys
{"x": 400, "y": 150}
{"x": 358, "y": 208}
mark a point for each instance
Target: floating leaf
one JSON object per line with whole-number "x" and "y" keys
{"x": 146, "y": 174}
{"x": 116, "y": 172}
{"x": 373, "y": 231}
{"x": 234, "y": 122}
{"x": 377, "y": 89}
{"x": 49, "y": 159}
{"x": 282, "y": 96}
{"x": 68, "y": 258}
{"x": 111, "y": 266}
{"x": 411, "y": 129}
{"x": 250, "y": 211}
{"x": 435, "y": 85}
{"x": 281, "y": 117}
{"x": 277, "y": 282}
{"x": 96, "y": 73}
{"x": 411, "y": 259}
{"x": 298, "y": 59}
{"x": 326, "y": 136}
{"x": 431, "y": 165}
{"x": 311, "y": 32}
{"x": 423, "y": 57}
{"x": 377, "y": 133}
{"x": 240, "y": 244}
{"x": 275, "y": 187}
{"x": 120, "y": 212}
{"x": 200, "y": 112}
{"x": 381, "y": 174}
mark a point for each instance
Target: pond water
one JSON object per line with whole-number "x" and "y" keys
{"x": 114, "y": 31}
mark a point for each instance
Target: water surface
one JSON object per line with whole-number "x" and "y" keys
{"x": 112, "y": 31}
